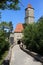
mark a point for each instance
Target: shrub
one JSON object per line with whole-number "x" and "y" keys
{"x": 33, "y": 36}
{"x": 4, "y": 45}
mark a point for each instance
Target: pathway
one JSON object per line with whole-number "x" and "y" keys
{"x": 19, "y": 57}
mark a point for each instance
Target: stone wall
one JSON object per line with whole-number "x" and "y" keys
{"x": 14, "y": 37}
{"x": 29, "y": 16}
{"x": 17, "y": 36}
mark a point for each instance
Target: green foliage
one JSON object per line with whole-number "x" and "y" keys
{"x": 7, "y": 27}
{"x": 40, "y": 30}
{"x": 9, "y": 4}
{"x": 10, "y": 26}
{"x": 33, "y": 36}
{"x": 24, "y": 25}
{"x": 3, "y": 25}
{"x": 4, "y": 44}
{"x": 3, "y": 57}
{"x": 4, "y": 36}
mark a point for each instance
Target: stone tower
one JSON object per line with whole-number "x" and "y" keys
{"x": 29, "y": 14}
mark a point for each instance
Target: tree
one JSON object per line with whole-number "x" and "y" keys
{"x": 33, "y": 36}
{"x": 40, "y": 32}
{"x": 3, "y": 25}
{"x": 7, "y": 27}
{"x": 24, "y": 25}
{"x": 9, "y": 4}
{"x": 10, "y": 26}
{"x": 4, "y": 44}
{"x": 30, "y": 37}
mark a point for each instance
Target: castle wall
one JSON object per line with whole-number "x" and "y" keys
{"x": 17, "y": 36}
{"x": 29, "y": 15}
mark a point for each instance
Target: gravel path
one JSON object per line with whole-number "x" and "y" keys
{"x": 19, "y": 57}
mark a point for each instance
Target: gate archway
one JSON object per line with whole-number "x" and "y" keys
{"x": 19, "y": 41}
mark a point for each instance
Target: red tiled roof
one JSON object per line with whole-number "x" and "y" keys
{"x": 29, "y": 6}
{"x": 19, "y": 28}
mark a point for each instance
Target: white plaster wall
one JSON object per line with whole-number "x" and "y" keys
{"x": 17, "y": 36}
{"x": 29, "y": 14}
{"x": 26, "y": 21}
{"x": 12, "y": 35}
{"x": 30, "y": 20}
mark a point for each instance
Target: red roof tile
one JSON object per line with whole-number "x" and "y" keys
{"x": 19, "y": 28}
{"x": 29, "y": 6}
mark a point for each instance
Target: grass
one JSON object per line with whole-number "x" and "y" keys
{"x": 3, "y": 57}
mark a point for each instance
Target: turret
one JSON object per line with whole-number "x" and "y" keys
{"x": 29, "y": 14}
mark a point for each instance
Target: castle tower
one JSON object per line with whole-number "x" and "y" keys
{"x": 29, "y": 14}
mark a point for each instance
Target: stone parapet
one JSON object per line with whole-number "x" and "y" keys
{"x": 33, "y": 54}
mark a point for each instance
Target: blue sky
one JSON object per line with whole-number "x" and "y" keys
{"x": 18, "y": 16}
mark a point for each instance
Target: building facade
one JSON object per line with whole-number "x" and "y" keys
{"x": 18, "y": 33}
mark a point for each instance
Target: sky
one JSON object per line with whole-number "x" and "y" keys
{"x": 18, "y": 16}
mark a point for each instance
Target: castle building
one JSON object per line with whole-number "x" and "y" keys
{"x": 18, "y": 33}
{"x": 29, "y": 14}
{"x": 29, "y": 18}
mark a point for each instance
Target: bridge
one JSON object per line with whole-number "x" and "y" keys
{"x": 19, "y": 57}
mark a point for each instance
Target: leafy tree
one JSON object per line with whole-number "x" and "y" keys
{"x": 40, "y": 32}
{"x": 7, "y": 27}
{"x": 4, "y": 36}
{"x": 24, "y": 25}
{"x": 4, "y": 44}
{"x": 33, "y": 36}
{"x": 9, "y": 4}
{"x": 30, "y": 36}
{"x": 3, "y": 25}
{"x": 10, "y": 26}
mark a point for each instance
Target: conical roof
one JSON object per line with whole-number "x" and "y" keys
{"x": 29, "y": 6}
